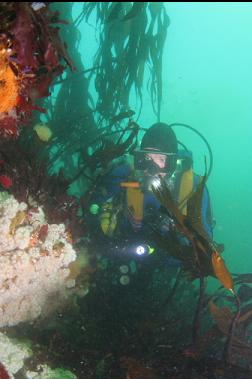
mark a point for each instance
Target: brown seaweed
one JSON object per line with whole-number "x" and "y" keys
{"x": 131, "y": 38}
{"x": 191, "y": 227}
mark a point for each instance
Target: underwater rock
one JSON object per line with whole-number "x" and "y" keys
{"x": 48, "y": 373}
{"x": 14, "y": 355}
{"x": 34, "y": 263}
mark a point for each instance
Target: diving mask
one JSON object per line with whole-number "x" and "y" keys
{"x": 155, "y": 162}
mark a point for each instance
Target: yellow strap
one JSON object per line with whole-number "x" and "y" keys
{"x": 108, "y": 220}
{"x": 135, "y": 202}
{"x": 185, "y": 190}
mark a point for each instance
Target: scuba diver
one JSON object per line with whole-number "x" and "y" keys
{"x": 126, "y": 219}
{"x": 135, "y": 272}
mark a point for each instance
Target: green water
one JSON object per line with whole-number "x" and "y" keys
{"x": 207, "y": 84}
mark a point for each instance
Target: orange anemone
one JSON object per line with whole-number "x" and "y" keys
{"x": 8, "y": 84}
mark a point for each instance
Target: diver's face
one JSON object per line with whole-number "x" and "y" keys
{"x": 159, "y": 160}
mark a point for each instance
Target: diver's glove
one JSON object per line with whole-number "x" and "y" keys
{"x": 165, "y": 224}
{"x": 148, "y": 181}
{"x": 159, "y": 220}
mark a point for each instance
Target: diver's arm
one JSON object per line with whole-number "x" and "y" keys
{"x": 108, "y": 185}
{"x": 106, "y": 190}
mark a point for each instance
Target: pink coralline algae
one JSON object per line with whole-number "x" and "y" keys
{"x": 3, "y": 373}
{"x": 31, "y": 55}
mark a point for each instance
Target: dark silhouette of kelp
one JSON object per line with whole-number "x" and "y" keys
{"x": 204, "y": 259}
